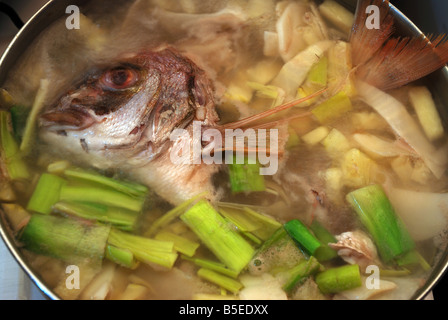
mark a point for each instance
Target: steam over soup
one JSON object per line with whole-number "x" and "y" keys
{"x": 206, "y": 150}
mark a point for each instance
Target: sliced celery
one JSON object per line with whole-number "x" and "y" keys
{"x": 378, "y": 216}
{"x": 46, "y": 193}
{"x": 338, "y": 279}
{"x": 67, "y": 239}
{"x": 218, "y": 235}
{"x": 146, "y": 250}
{"x": 181, "y": 244}
{"x": 130, "y": 188}
{"x": 301, "y": 272}
{"x": 104, "y": 196}
{"x": 12, "y": 157}
{"x": 332, "y": 108}
{"x": 225, "y": 282}
{"x": 302, "y": 235}
{"x": 121, "y": 218}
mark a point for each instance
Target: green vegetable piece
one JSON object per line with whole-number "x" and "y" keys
{"x": 301, "y": 272}
{"x": 339, "y": 279}
{"x": 325, "y": 252}
{"x": 126, "y": 187}
{"x": 225, "y": 282}
{"x": 413, "y": 258}
{"x": 378, "y": 216}
{"x": 10, "y": 152}
{"x": 245, "y": 177}
{"x": 250, "y": 221}
{"x": 181, "y": 244}
{"x": 70, "y": 240}
{"x": 146, "y": 250}
{"x": 212, "y": 265}
{"x": 120, "y": 218}
{"x": 302, "y": 235}
{"x": 31, "y": 122}
{"x": 172, "y": 214}
{"x": 218, "y": 235}
{"x": 123, "y": 257}
{"x": 19, "y": 114}
{"x": 332, "y": 108}
{"x": 318, "y": 73}
{"x": 106, "y": 196}
{"x": 46, "y": 193}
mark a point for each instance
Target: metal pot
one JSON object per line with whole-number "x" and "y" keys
{"x": 54, "y": 9}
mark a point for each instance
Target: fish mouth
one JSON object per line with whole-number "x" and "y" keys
{"x": 73, "y": 119}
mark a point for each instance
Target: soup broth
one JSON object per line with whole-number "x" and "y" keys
{"x": 357, "y": 189}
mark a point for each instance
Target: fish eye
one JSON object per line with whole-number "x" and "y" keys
{"x": 119, "y": 78}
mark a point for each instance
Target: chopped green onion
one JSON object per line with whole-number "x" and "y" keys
{"x": 46, "y": 193}
{"x": 126, "y": 187}
{"x": 67, "y": 239}
{"x": 120, "y": 218}
{"x": 324, "y": 253}
{"x": 181, "y": 244}
{"x": 225, "y": 282}
{"x": 104, "y": 196}
{"x": 146, "y": 250}
{"x": 245, "y": 177}
{"x": 12, "y": 157}
{"x": 123, "y": 257}
{"x": 300, "y": 272}
{"x": 218, "y": 235}
{"x": 378, "y": 216}
{"x": 302, "y": 235}
{"x": 338, "y": 279}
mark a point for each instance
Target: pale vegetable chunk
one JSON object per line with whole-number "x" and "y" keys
{"x": 315, "y": 136}
{"x": 337, "y": 15}
{"x": 426, "y": 110}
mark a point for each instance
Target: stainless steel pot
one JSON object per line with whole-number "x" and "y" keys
{"x": 54, "y": 9}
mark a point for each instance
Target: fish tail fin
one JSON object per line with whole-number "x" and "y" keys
{"x": 403, "y": 60}
{"x": 386, "y": 62}
{"x": 370, "y": 29}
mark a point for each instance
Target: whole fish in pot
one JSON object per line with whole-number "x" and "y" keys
{"x": 123, "y": 115}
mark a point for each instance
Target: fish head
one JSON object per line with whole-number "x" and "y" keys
{"x": 127, "y": 110}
